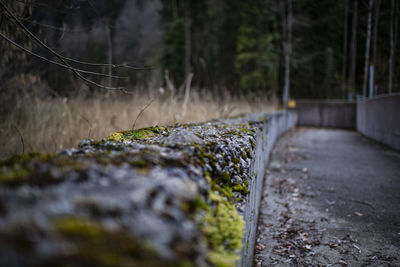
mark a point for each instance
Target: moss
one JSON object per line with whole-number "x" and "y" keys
{"x": 28, "y": 169}
{"x": 236, "y": 167}
{"x": 139, "y": 134}
{"x": 247, "y": 152}
{"x": 20, "y": 169}
{"x": 210, "y": 156}
{"x": 241, "y": 188}
{"x": 247, "y": 130}
{"x": 223, "y": 228}
{"x": 22, "y": 158}
{"x": 253, "y": 145}
{"x": 116, "y": 137}
{"x": 236, "y": 160}
{"x": 230, "y": 133}
{"x": 191, "y": 207}
{"x": 223, "y": 190}
{"x": 207, "y": 176}
{"x": 14, "y": 176}
{"x": 224, "y": 177}
{"x": 98, "y": 246}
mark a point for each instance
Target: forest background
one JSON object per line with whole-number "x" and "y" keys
{"x": 182, "y": 61}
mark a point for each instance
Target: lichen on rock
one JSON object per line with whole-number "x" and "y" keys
{"x": 157, "y": 196}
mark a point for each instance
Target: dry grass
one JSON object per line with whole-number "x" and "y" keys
{"x": 50, "y": 124}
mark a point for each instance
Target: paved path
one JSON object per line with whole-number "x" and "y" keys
{"x": 331, "y": 198}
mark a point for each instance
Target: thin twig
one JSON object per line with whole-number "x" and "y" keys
{"x": 2, "y": 16}
{"x": 107, "y": 65}
{"x": 88, "y": 122}
{"x": 22, "y": 139}
{"x": 141, "y": 111}
{"x": 187, "y": 93}
{"x": 54, "y": 28}
{"x": 56, "y": 63}
{"x": 29, "y": 33}
{"x": 38, "y": 4}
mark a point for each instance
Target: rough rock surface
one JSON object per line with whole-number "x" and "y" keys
{"x": 158, "y": 196}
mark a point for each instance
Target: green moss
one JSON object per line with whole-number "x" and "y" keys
{"x": 253, "y": 145}
{"x": 13, "y": 176}
{"x": 27, "y": 157}
{"x": 191, "y": 207}
{"x": 223, "y": 190}
{"x": 236, "y": 167}
{"x": 207, "y": 176}
{"x": 25, "y": 169}
{"x": 97, "y": 246}
{"x": 210, "y": 156}
{"x": 139, "y": 134}
{"x": 241, "y": 188}
{"x": 116, "y": 137}
{"x": 247, "y": 152}
{"x": 236, "y": 160}
{"x": 223, "y": 228}
{"x": 230, "y": 133}
{"x": 247, "y": 130}
{"x": 224, "y": 177}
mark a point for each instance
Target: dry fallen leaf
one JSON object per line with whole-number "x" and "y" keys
{"x": 260, "y": 246}
{"x": 358, "y": 214}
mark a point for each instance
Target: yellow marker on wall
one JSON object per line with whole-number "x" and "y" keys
{"x": 291, "y": 104}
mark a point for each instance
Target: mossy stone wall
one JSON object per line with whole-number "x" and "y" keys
{"x": 184, "y": 195}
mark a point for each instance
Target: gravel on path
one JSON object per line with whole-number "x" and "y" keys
{"x": 331, "y": 198}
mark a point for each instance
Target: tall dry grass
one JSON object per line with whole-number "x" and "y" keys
{"x": 49, "y": 124}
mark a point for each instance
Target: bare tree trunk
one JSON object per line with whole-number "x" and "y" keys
{"x": 345, "y": 36}
{"x": 187, "y": 93}
{"x": 353, "y": 51}
{"x": 374, "y": 38}
{"x": 287, "y": 48}
{"x": 188, "y": 44}
{"x": 393, "y": 37}
{"x": 110, "y": 49}
{"x": 367, "y": 48}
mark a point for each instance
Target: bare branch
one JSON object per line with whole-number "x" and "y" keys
{"x": 107, "y": 65}
{"x": 56, "y": 63}
{"x": 141, "y": 111}
{"x": 54, "y": 28}
{"x": 22, "y": 139}
{"x": 29, "y": 33}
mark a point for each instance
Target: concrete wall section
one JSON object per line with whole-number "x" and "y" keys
{"x": 173, "y": 195}
{"x": 379, "y": 119}
{"x": 270, "y": 130}
{"x": 337, "y": 114}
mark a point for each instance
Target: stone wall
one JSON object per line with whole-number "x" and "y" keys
{"x": 269, "y": 131}
{"x": 379, "y": 119}
{"x": 186, "y": 195}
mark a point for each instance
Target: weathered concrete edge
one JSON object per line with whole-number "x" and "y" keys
{"x": 97, "y": 170}
{"x": 336, "y": 114}
{"x": 277, "y": 124}
{"x": 379, "y": 119}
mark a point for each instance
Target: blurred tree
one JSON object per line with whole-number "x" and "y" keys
{"x": 13, "y": 59}
{"x": 255, "y": 59}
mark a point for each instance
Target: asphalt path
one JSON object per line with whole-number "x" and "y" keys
{"x": 331, "y": 198}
